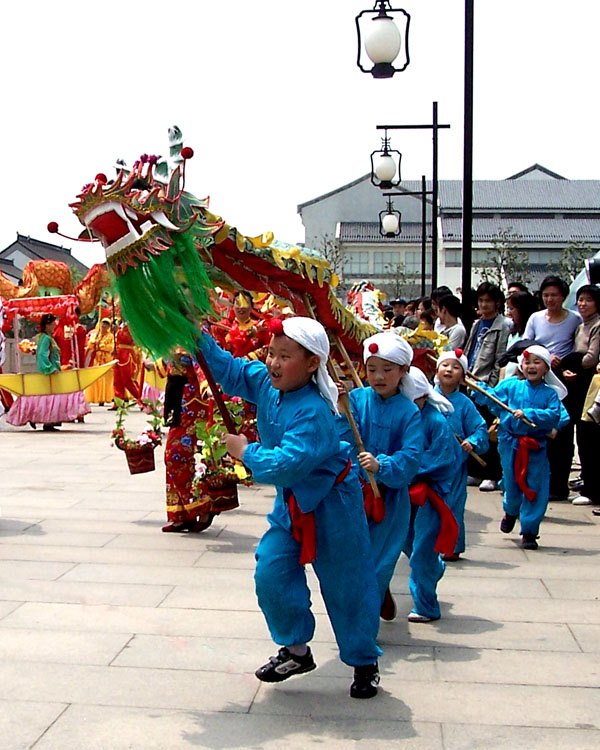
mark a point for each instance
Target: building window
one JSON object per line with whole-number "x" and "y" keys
{"x": 453, "y": 258}
{"x": 412, "y": 262}
{"x": 385, "y": 262}
{"x": 356, "y": 263}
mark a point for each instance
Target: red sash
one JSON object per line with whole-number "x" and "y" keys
{"x": 526, "y": 444}
{"x": 304, "y": 528}
{"x": 419, "y": 493}
{"x": 374, "y": 506}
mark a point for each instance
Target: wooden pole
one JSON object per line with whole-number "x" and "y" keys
{"x": 476, "y": 456}
{"x": 473, "y": 386}
{"x": 216, "y": 392}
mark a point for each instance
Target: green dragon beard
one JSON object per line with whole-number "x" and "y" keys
{"x": 165, "y": 298}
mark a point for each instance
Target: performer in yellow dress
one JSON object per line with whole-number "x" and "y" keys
{"x": 101, "y": 348}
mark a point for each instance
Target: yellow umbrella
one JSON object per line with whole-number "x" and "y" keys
{"x": 67, "y": 381}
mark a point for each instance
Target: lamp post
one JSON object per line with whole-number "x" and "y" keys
{"x": 434, "y": 127}
{"x": 467, "y": 212}
{"x": 390, "y": 223}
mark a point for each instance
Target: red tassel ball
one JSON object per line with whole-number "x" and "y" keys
{"x": 53, "y": 227}
{"x": 458, "y": 352}
{"x": 187, "y": 152}
{"x": 101, "y": 178}
{"x": 526, "y": 354}
{"x": 276, "y": 326}
{"x": 373, "y": 348}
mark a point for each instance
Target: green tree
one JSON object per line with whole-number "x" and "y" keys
{"x": 401, "y": 282}
{"x": 571, "y": 261}
{"x": 332, "y": 249}
{"x": 505, "y": 262}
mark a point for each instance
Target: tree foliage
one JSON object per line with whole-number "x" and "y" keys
{"x": 505, "y": 262}
{"x": 571, "y": 261}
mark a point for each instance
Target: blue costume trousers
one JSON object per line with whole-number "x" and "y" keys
{"x": 457, "y": 501}
{"x": 538, "y": 478}
{"x": 426, "y": 565}
{"x": 346, "y": 573}
{"x": 388, "y": 539}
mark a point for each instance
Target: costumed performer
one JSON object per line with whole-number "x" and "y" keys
{"x": 468, "y": 425}
{"x": 6, "y": 398}
{"x": 245, "y": 337}
{"x": 433, "y": 527}
{"x": 184, "y": 407}
{"x": 389, "y": 424}
{"x": 318, "y": 516}
{"x": 523, "y": 449}
{"x": 51, "y": 409}
{"x": 100, "y": 349}
{"x": 125, "y": 380}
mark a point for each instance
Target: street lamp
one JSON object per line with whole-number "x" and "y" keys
{"x": 384, "y": 166}
{"x": 383, "y": 40}
{"x": 390, "y": 221}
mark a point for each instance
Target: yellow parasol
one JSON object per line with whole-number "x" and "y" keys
{"x": 67, "y": 381}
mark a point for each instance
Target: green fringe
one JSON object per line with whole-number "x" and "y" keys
{"x": 162, "y": 296}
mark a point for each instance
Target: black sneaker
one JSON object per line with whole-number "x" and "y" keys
{"x": 365, "y": 682}
{"x": 507, "y": 524}
{"x": 285, "y": 665}
{"x": 529, "y": 541}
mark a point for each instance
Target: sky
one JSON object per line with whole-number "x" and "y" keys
{"x": 269, "y": 96}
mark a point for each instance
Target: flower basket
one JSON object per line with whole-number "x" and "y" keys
{"x": 139, "y": 452}
{"x": 223, "y": 492}
{"x": 140, "y": 459}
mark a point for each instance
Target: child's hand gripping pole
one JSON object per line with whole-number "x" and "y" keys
{"x": 476, "y": 456}
{"x": 343, "y": 400}
{"x": 474, "y": 387}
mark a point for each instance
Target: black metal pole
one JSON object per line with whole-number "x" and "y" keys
{"x": 423, "y": 234}
{"x": 467, "y": 213}
{"x": 434, "y": 207}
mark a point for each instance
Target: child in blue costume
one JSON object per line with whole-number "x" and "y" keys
{"x": 389, "y": 424}
{"x": 467, "y": 424}
{"x": 433, "y": 519}
{"x": 318, "y": 514}
{"x": 522, "y": 449}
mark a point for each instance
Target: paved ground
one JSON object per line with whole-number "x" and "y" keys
{"x": 113, "y": 635}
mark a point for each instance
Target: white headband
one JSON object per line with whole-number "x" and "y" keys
{"x": 535, "y": 350}
{"x": 312, "y": 336}
{"x": 388, "y": 346}
{"x": 457, "y": 355}
{"x": 424, "y": 388}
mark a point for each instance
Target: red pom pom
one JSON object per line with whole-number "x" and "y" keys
{"x": 53, "y": 227}
{"x": 187, "y": 152}
{"x": 373, "y": 348}
{"x": 458, "y": 352}
{"x": 276, "y": 326}
{"x": 526, "y": 354}
{"x": 100, "y": 177}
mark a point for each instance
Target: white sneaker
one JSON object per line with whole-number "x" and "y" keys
{"x": 581, "y": 500}
{"x": 416, "y": 617}
{"x": 594, "y": 413}
{"x": 488, "y": 485}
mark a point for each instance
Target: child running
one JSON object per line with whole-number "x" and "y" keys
{"x": 433, "y": 528}
{"x": 318, "y": 515}
{"x": 469, "y": 426}
{"x": 389, "y": 424}
{"x": 522, "y": 449}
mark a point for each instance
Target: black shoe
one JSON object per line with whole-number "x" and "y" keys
{"x": 285, "y": 665}
{"x": 33, "y": 425}
{"x": 365, "y": 682}
{"x": 388, "y": 609}
{"x": 507, "y": 524}
{"x": 529, "y": 541}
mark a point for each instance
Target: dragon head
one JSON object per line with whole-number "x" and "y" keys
{"x": 136, "y": 216}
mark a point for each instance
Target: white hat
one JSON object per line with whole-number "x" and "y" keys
{"x": 424, "y": 388}
{"x": 549, "y": 378}
{"x": 457, "y": 355}
{"x": 312, "y": 336}
{"x": 388, "y": 346}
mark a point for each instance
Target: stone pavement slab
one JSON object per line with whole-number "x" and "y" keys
{"x": 114, "y": 635}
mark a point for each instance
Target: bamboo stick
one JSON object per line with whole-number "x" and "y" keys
{"x": 473, "y": 386}
{"x": 476, "y": 456}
